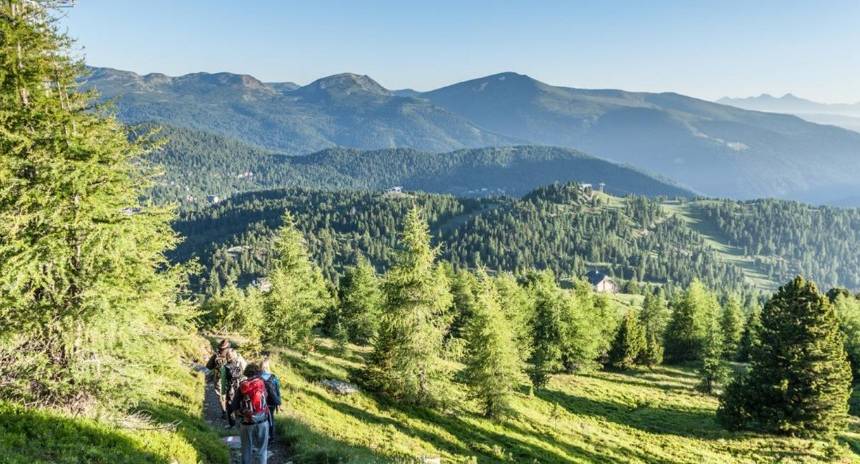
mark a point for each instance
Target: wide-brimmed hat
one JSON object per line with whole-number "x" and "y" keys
{"x": 225, "y": 344}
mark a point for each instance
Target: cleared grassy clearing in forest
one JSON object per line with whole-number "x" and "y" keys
{"x": 688, "y": 211}
{"x": 640, "y": 416}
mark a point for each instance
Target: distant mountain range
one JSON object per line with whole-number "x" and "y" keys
{"x": 198, "y": 165}
{"x": 845, "y": 115}
{"x": 712, "y": 148}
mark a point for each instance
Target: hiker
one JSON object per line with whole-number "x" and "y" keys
{"x": 251, "y": 406}
{"x": 218, "y": 376}
{"x": 234, "y": 374}
{"x": 272, "y": 380}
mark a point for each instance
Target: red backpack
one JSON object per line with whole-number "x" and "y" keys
{"x": 253, "y": 408}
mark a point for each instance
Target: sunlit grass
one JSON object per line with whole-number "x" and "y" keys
{"x": 165, "y": 425}
{"x": 652, "y": 416}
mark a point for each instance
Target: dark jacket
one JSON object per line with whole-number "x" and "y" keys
{"x": 273, "y": 397}
{"x": 273, "y": 382}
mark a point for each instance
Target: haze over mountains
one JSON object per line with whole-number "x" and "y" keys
{"x": 846, "y": 115}
{"x": 712, "y": 148}
{"x": 199, "y": 164}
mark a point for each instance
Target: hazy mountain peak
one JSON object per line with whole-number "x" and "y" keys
{"x": 223, "y": 80}
{"x": 346, "y": 84}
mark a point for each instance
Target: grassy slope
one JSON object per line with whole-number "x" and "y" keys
{"x": 641, "y": 416}
{"x": 174, "y": 433}
{"x": 689, "y": 211}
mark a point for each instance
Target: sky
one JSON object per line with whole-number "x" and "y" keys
{"x": 707, "y": 49}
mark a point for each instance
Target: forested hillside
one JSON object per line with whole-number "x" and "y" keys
{"x": 198, "y": 164}
{"x": 793, "y": 238}
{"x": 558, "y": 227}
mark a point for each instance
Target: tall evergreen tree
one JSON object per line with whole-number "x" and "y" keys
{"x": 652, "y": 319}
{"x": 493, "y": 366}
{"x": 548, "y": 328}
{"x": 799, "y": 380}
{"x": 518, "y": 307}
{"x": 405, "y": 363}
{"x": 464, "y": 293}
{"x": 687, "y": 330}
{"x": 589, "y": 324}
{"x": 79, "y": 250}
{"x": 847, "y": 308}
{"x": 713, "y": 371}
{"x": 298, "y": 298}
{"x": 628, "y": 343}
{"x": 731, "y": 322}
{"x": 750, "y": 335}
{"x": 360, "y": 301}
{"x": 235, "y": 311}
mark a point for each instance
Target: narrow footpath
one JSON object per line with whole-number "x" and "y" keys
{"x": 278, "y": 452}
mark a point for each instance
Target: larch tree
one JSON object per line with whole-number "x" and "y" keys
{"x": 713, "y": 371}
{"x": 799, "y": 379}
{"x": 360, "y": 301}
{"x": 406, "y": 361}
{"x": 518, "y": 307}
{"x": 87, "y": 297}
{"x": 628, "y": 343}
{"x": 298, "y": 298}
{"x": 688, "y": 327}
{"x": 493, "y": 366}
{"x": 652, "y": 319}
{"x": 732, "y": 326}
{"x": 847, "y": 308}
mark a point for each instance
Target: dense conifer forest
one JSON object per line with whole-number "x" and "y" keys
{"x": 560, "y": 227}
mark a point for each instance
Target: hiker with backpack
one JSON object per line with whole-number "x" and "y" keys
{"x": 275, "y": 384}
{"x": 234, "y": 371}
{"x": 251, "y": 406}
{"x": 218, "y": 376}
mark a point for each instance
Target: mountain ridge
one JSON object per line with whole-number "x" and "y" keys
{"x": 716, "y": 149}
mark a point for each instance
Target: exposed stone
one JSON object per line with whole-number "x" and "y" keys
{"x": 340, "y": 387}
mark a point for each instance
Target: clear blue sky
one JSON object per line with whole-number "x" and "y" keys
{"x": 705, "y": 49}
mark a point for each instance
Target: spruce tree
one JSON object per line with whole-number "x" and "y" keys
{"x": 731, "y": 322}
{"x": 298, "y": 298}
{"x": 464, "y": 294}
{"x": 628, "y": 343}
{"x": 548, "y": 328}
{"x": 493, "y": 366}
{"x": 406, "y": 360}
{"x": 83, "y": 308}
{"x": 652, "y": 319}
{"x": 687, "y": 330}
{"x": 750, "y": 335}
{"x": 360, "y": 302}
{"x": 799, "y": 379}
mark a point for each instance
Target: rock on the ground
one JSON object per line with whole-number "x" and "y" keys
{"x": 340, "y": 387}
